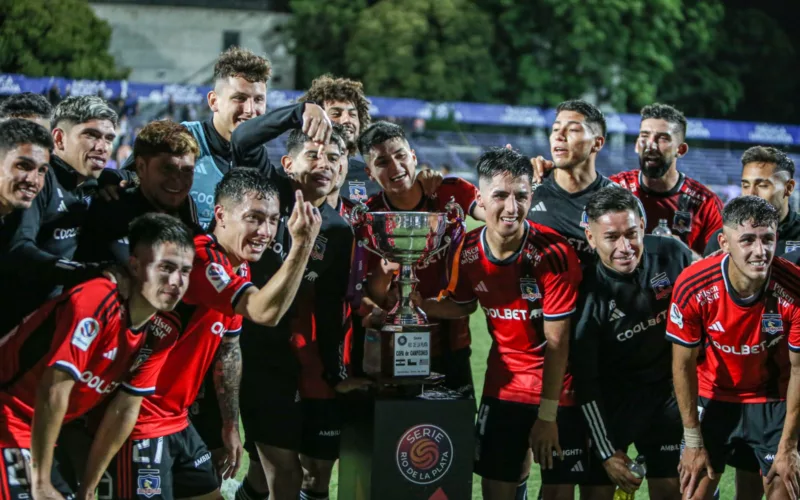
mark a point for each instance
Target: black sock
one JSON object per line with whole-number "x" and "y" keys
{"x": 245, "y": 491}
{"x": 522, "y": 490}
{"x": 313, "y": 495}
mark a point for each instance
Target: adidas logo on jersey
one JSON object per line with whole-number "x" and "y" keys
{"x": 481, "y": 287}
{"x": 112, "y": 354}
{"x": 615, "y": 312}
{"x": 62, "y": 207}
{"x": 539, "y": 207}
{"x": 578, "y": 467}
{"x": 717, "y": 327}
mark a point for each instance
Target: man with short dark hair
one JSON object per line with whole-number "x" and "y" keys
{"x": 345, "y": 103}
{"x": 393, "y": 165}
{"x": 620, "y": 364}
{"x": 25, "y": 151}
{"x": 29, "y": 106}
{"x": 768, "y": 173}
{"x": 76, "y": 349}
{"x": 165, "y": 154}
{"x": 209, "y": 319}
{"x": 45, "y": 240}
{"x": 277, "y": 424}
{"x": 735, "y": 324}
{"x": 690, "y": 208}
{"x": 577, "y": 136}
{"x": 525, "y": 277}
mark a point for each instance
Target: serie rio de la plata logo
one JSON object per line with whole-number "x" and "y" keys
{"x": 424, "y": 454}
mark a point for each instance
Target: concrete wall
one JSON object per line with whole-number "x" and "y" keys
{"x": 180, "y": 44}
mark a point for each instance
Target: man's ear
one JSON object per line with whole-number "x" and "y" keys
{"x": 133, "y": 265}
{"x": 788, "y": 188}
{"x": 219, "y": 216}
{"x": 213, "y": 100}
{"x": 59, "y": 138}
{"x": 723, "y": 241}
{"x": 599, "y": 141}
{"x": 479, "y": 200}
{"x": 590, "y": 238}
{"x": 286, "y": 162}
{"x": 683, "y": 149}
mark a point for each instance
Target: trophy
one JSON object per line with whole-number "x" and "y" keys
{"x": 402, "y": 347}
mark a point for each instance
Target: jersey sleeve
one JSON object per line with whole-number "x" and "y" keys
{"x": 31, "y": 263}
{"x": 247, "y": 141}
{"x": 464, "y": 292}
{"x": 464, "y": 193}
{"x": 80, "y": 320}
{"x": 144, "y": 378}
{"x": 234, "y": 328}
{"x": 213, "y": 282}
{"x": 585, "y": 366}
{"x": 684, "y": 322}
{"x": 560, "y": 279}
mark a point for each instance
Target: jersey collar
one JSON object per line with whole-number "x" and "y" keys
{"x": 675, "y": 189}
{"x": 594, "y": 186}
{"x": 391, "y": 207}
{"x": 788, "y": 223}
{"x": 511, "y": 259}
{"x": 733, "y": 294}
{"x": 68, "y": 176}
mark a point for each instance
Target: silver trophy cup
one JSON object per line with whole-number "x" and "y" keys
{"x": 402, "y": 347}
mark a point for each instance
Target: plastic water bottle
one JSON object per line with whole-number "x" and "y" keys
{"x": 662, "y": 229}
{"x": 639, "y": 470}
{"x": 372, "y": 352}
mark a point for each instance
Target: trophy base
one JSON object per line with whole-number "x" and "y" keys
{"x": 398, "y": 352}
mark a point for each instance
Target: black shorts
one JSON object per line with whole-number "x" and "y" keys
{"x": 457, "y": 371}
{"x": 728, "y": 426}
{"x": 322, "y": 428}
{"x": 271, "y": 412}
{"x": 204, "y": 413}
{"x": 318, "y": 431}
{"x": 502, "y": 432}
{"x": 743, "y": 458}
{"x": 649, "y": 419}
{"x": 15, "y": 483}
{"x": 175, "y": 466}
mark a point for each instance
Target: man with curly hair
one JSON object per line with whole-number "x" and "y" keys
{"x": 345, "y": 103}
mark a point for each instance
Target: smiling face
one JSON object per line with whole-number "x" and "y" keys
{"x": 506, "y": 200}
{"x": 165, "y": 179}
{"x": 246, "y": 228}
{"x": 393, "y": 165}
{"x": 86, "y": 147}
{"x": 572, "y": 140}
{"x": 618, "y": 239}
{"x": 162, "y": 273}
{"x": 315, "y": 170}
{"x": 22, "y": 174}
{"x": 751, "y": 249}
{"x": 235, "y": 100}
{"x": 345, "y": 114}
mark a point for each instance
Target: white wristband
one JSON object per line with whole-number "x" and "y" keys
{"x": 548, "y": 409}
{"x": 692, "y": 437}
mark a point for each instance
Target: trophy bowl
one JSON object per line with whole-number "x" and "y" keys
{"x": 402, "y": 347}
{"x": 407, "y": 237}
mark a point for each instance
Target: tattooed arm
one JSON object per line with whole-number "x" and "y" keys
{"x": 227, "y": 375}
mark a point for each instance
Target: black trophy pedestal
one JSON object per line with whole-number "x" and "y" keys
{"x": 404, "y": 446}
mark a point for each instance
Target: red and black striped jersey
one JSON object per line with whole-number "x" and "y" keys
{"x": 693, "y": 212}
{"x": 204, "y": 316}
{"x": 86, "y": 333}
{"x": 518, "y": 294}
{"x": 745, "y": 342}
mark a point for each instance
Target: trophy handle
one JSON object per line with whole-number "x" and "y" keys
{"x": 453, "y": 207}
{"x": 358, "y": 215}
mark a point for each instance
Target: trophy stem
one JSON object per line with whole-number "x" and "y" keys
{"x": 404, "y": 312}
